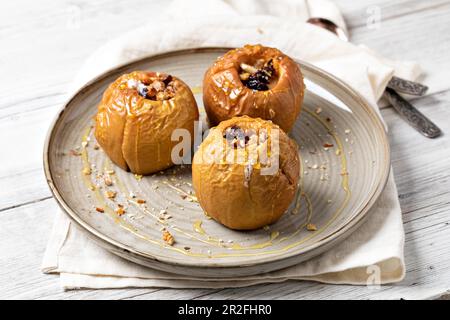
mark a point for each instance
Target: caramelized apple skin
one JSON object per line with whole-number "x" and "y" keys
{"x": 239, "y": 194}
{"x": 226, "y": 96}
{"x": 135, "y": 132}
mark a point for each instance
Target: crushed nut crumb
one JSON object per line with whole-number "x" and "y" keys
{"x": 99, "y": 209}
{"x": 311, "y": 227}
{"x": 168, "y": 238}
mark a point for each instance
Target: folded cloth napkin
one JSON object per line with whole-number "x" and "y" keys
{"x": 376, "y": 248}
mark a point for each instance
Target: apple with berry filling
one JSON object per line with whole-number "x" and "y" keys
{"x": 256, "y": 81}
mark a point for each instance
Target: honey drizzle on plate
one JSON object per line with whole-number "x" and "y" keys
{"x": 274, "y": 235}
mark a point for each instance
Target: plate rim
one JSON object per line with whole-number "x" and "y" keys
{"x": 134, "y": 255}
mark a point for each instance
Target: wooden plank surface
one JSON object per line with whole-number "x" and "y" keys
{"x": 44, "y": 43}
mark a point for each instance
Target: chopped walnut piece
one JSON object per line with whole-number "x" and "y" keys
{"x": 311, "y": 227}
{"x": 328, "y": 145}
{"x": 74, "y": 153}
{"x": 108, "y": 181}
{"x": 156, "y": 85}
{"x": 160, "y": 88}
{"x": 168, "y": 238}
{"x": 141, "y": 201}
{"x": 110, "y": 194}
{"x": 100, "y": 209}
{"x": 87, "y": 171}
{"x": 120, "y": 210}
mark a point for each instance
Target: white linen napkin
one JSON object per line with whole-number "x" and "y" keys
{"x": 375, "y": 249}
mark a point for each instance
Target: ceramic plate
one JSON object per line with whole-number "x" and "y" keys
{"x": 345, "y": 165}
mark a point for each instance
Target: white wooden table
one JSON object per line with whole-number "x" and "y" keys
{"x": 43, "y": 43}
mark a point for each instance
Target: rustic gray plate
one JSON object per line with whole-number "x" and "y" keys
{"x": 339, "y": 183}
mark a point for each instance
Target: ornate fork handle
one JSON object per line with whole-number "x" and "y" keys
{"x": 413, "y": 116}
{"x": 406, "y": 86}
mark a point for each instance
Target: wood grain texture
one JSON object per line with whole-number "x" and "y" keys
{"x": 51, "y": 43}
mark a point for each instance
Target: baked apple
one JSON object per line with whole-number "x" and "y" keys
{"x": 136, "y": 118}
{"x": 245, "y": 173}
{"x": 256, "y": 81}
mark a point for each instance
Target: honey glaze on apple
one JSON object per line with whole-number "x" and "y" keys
{"x": 100, "y": 181}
